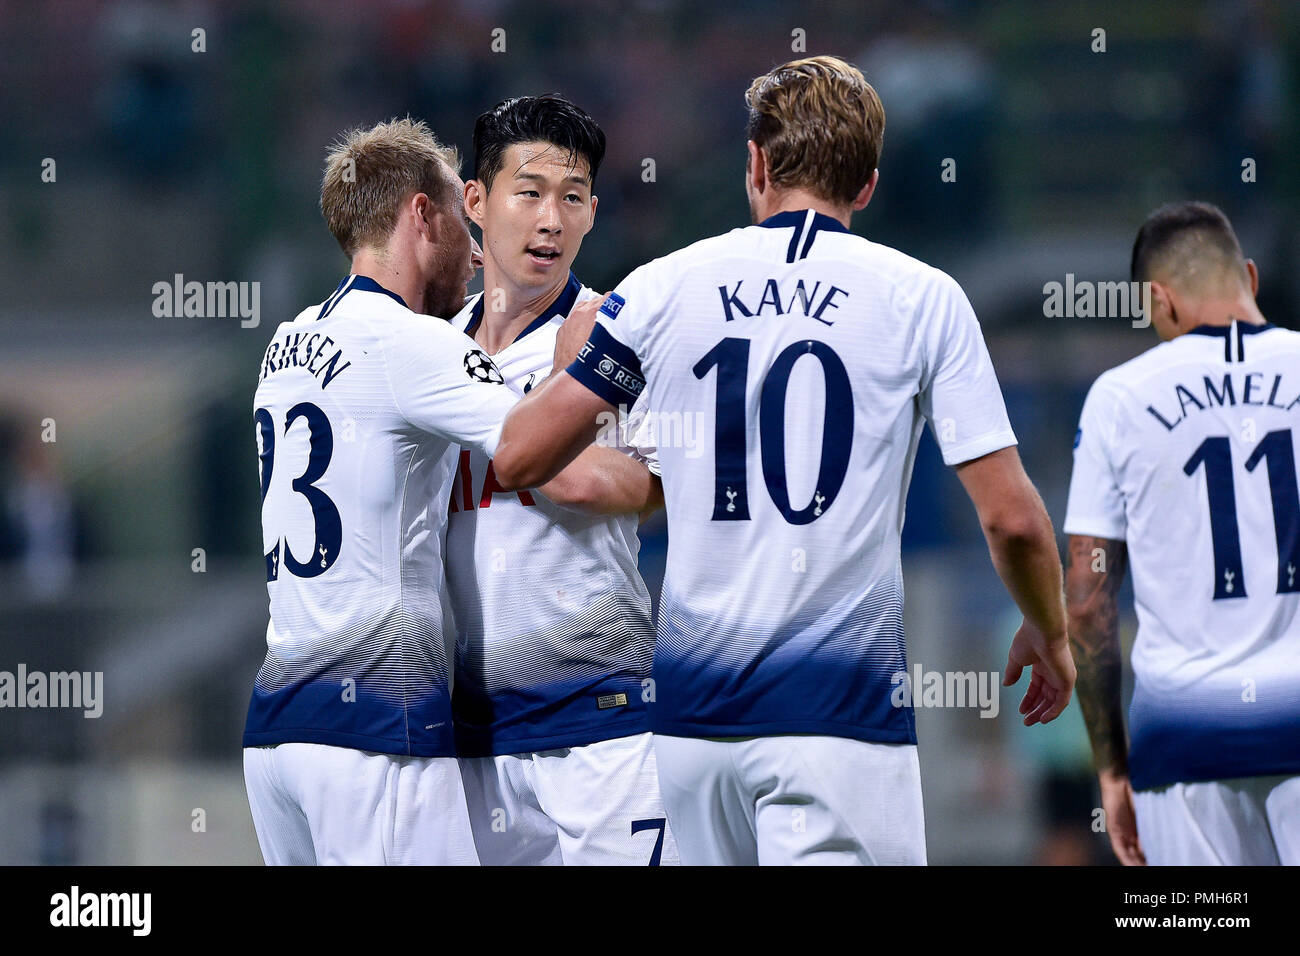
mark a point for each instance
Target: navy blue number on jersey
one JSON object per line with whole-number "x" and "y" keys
{"x": 325, "y": 514}
{"x": 1216, "y": 455}
{"x": 655, "y": 823}
{"x": 731, "y": 481}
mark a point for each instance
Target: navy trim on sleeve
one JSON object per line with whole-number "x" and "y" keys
{"x": 609, "y": 368}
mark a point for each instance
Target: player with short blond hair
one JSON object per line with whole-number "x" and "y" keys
{"x": 814, "y": 358}
{"x": 349, "y": 746}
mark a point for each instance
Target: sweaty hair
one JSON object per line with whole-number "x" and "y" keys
{"x": 369, "y": 173}
{"x": 821, "y": 125}
{"x": 535, "y": 119}
{"x": 1190, "y": 244}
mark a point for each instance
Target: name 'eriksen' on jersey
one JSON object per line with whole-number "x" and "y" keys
{"x": 800, "y": 298}
{"x": 300, "y": 350}
{"x": 1224, "y": 393}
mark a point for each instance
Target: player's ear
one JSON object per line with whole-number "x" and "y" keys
{"x": 1162, "y": 304}
{"x": 756, "y": 167}
{"x": 425, "y": 216}
{"x": 591, "y": 216}
{"x": 867, "y": 191}
{"x": 1253, "y": 271}
{"x": 475, "y": 198}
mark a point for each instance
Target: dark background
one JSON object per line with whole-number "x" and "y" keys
{"x": 168, "y": 160}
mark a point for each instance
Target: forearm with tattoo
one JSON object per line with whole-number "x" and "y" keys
{"x": 1092, "y": 584}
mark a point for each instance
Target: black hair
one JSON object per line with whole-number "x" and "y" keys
{"x": 535, "y": 119}
{"x": 1175, "y": 221}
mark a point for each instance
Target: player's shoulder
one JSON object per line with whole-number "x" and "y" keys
{"x": 305, "y": 317}
{"x": 1280, "y": 338}
{"x": 1127, "y": 377}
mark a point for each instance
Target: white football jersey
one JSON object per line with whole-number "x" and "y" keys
{"x": 358, "y": 402}
{"x": 796, "y": 363}
{"x": 552, "y": 618}
{"x": 1187, "y": 453}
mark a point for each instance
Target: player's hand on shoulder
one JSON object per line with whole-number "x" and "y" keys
{"x": 1052, "y": 673}
{"x": 576, "y": 329}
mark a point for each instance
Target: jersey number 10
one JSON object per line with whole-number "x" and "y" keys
{"x": 730, "y": 469}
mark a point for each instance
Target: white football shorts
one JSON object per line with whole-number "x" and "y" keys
{"x": 1248, "y": 821}
{"x": 792, "y": 800}
{"x": 317, "y": 804}
{"x": 595, "y": 805}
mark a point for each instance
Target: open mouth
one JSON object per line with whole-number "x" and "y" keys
{"x": 543, "y": 256}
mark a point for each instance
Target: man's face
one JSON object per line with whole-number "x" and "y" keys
{"x": 536, "y": 213}
{"x": 454, "y": 258}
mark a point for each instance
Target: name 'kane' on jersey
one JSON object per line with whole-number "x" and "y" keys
{"x": 1188, "y": 454}
{"x": 358, "y": 403}
{"x": 807, "y": 360}
{"x": 554, "y": 635}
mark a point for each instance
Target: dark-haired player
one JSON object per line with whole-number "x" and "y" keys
{"x": 1184, "y": 466}
{"x": 553, "y": 620}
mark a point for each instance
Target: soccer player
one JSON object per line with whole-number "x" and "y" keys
{"x": 1185, "y": 467}
{"x": 812, "y": 357}
{"x": 554, "y": 639}
{"x": 349, "y": 748}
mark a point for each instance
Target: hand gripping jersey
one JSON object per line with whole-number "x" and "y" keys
{"x": 800, "y": 361}
{"x": 358, "y": 402}
{"x": 554, "y": 638}
{"x": 1188, "y": 453}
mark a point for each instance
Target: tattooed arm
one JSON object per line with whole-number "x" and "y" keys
{"x": 1092, "y": 584}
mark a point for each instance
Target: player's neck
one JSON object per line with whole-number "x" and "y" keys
{"x": 797, "y": 200}
{"x": 508, "y": 309}
{"x": 390, "y": 274}
{"x": 1224, "y": 312}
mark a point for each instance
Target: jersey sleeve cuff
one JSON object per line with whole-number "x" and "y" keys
{"x": 609, "y": 368}
{"x": 978, "y": 447}
{"x": 1094, "y": 528}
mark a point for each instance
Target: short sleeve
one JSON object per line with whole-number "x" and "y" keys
{"x": 960, "y": 396}
{"x": 1096, "y": 504}
{"x": 609, "y": 364}
{"x": 445, "y": 384}
{"x": 640, "y": 437}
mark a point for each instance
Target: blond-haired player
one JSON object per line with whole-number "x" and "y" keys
{"x": 349, "y": 747}
{"x": 814, "y": 358}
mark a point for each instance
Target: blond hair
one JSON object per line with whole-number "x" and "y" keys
{"x": 821, "y": 125}
{"x": 370, "y": 172}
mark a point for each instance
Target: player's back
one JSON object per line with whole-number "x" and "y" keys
{"x": 1187, "y": 452}
{"x": 355, "y": 401}
{"x": 804, "y": 359}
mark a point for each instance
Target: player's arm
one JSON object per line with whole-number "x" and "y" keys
{"x": 1022, "y": 545}
{"x": 1092, "y": 584}
{"x": 555, "y": 421}
{"x": 1092, "y": 600}
{"x": 604, "y": 480}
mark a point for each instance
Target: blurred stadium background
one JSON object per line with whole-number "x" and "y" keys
{"x": 207, "y": 164}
